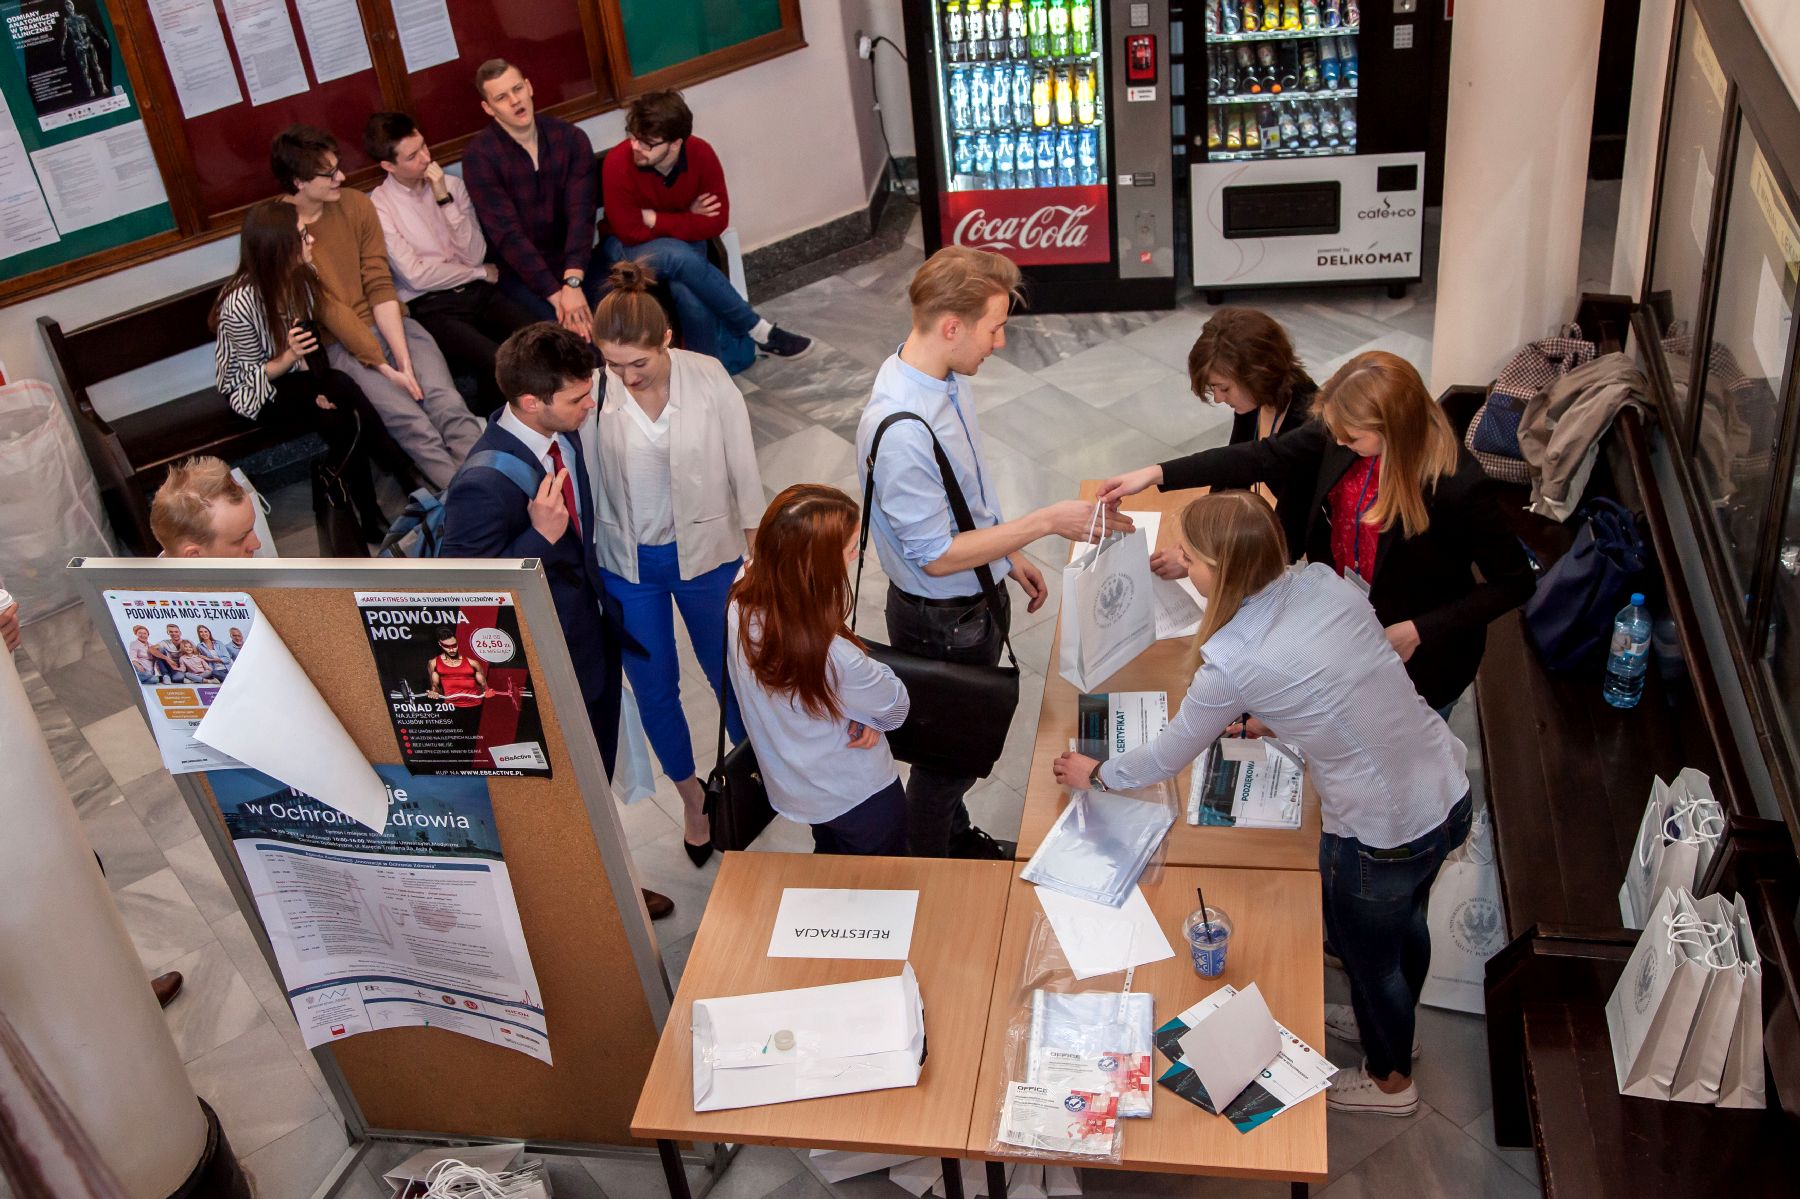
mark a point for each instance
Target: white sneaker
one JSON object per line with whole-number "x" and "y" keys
{"x": 1352, "y": 1090}
{"x": 1340, "y": 1022}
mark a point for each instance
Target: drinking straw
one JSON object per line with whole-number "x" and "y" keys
{"x": 1205, "y": 920}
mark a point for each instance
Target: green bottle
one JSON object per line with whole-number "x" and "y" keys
{"x": 1081, "y": 26}
{"x": 1059, "y": 28}
{"x": 1037, "y": 24}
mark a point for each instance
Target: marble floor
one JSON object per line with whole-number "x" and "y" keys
{"x": 1068, "y": 397}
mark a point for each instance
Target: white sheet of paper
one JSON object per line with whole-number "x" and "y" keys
{"x": 96, "y": 178}
{"x": 1232, "y": 1045}
{"x": 1771, "y": 322}
{"x": 193, "y": 44}
{"x": 25, "y": 222}
{"x": 335, "y": 40}
{"x": 269, "y": 716}
{"x": 266, "y": 49}
{"x": 426, "y": 38}
{"x": 823, "y": 922}
{"x": 1101, "y": 940}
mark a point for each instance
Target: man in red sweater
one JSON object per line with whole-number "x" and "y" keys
{"x": 664, "y": 196}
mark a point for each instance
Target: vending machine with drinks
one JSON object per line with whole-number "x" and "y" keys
{"x": 1307, "y": 141}
{"x": 1043, "y": 130}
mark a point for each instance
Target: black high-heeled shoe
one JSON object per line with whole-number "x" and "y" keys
{"x": 697, "y": 854}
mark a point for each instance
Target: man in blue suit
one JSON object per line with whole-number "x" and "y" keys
{"x": 546, "y": 374}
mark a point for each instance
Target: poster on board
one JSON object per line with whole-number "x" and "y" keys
{"x": 182, "y": 646}
{"x": 414, "y": 926}
{"x": 65, "y": 50}
{"x": 455, "y": 681}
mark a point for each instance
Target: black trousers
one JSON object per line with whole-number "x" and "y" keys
{"x": 350, "y": 427}
{"x": 469, "y": 323}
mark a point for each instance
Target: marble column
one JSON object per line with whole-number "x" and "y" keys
{"x": 72, "y": 984}
{"x": 1515, "y": 179}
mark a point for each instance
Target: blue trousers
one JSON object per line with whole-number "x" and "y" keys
{"x": 714, "y": 318}
{"x": 877, "y": 825}
{"x": 593, "y": 283}
{"x": 649, "y": 650}
{"x": 1375, "y": 919}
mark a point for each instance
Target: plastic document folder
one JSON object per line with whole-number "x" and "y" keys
{"x": 751, "y": 1050}
{"x": 1099, "y": 846}
{"x": 1094, "y": 1040}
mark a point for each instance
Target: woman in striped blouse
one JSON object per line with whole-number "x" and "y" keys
{"x": 286, "y": 379}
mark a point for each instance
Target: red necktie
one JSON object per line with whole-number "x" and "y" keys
{"x": 568, "y": 488}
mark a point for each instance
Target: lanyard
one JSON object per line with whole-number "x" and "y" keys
{"x": 1363, "y": 504}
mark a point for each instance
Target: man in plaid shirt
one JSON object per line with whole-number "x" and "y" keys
{"x": 535, "y": 189}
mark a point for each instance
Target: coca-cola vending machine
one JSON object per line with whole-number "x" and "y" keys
{"x": 1043, "y": 133}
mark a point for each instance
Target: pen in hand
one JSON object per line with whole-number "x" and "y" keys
{"x": 1244, "y": 725}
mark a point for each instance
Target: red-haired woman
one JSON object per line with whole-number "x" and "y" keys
{"x": 815, "y": 704}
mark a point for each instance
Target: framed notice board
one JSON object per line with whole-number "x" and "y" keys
{"x": 77, "y": 170}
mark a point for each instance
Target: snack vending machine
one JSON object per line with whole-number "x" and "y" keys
{"x": 1043, "y": 131}
{"x": 1307, "y": 139}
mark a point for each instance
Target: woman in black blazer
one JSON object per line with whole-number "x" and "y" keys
{"x": 1244, "y": 360}
{"x": 1389, "y": 497}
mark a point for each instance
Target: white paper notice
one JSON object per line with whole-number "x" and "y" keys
{"x": 25, "y": 222}
{"x": 1232, "y": 1045}
{"x": 1700, "y": 207}
{"x": 334, "y": 37}
{"x": 266, "y": 47}
{"x": 1101, "y": 940}
{"x": 193, "y": 44}
{"x": 270, "y": 717}
{"x": 426, "y": 38}
{"x": 96, "y": 178}
{"x": 1772, "y": 320}
{"x": 814, "y": 922}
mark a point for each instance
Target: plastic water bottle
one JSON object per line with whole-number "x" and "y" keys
{"x": 1630, "y": 654}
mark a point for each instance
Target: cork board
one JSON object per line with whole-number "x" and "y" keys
{"x": 601, "y": 1030}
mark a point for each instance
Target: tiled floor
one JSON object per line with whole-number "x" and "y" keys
{"x": 1069, "y": 397}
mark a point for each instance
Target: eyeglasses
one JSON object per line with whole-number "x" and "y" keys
{"x": 644, "y": 143}
{"x": 306, "y": 235}
{"x": 330, "y": 172}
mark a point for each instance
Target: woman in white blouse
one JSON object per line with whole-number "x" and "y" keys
{"x": 1301, "y": 653}
{"x": 817, "y": 705}
{"x": 676, "y": 494}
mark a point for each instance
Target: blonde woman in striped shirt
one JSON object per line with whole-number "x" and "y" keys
{"x": 283, "y": 378}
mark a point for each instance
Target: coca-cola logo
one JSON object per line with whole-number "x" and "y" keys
{"x": 1054, "y": 226}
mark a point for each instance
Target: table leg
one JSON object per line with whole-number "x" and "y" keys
{"x": 673, "y": 1172}
{"x": 996, "y": 1174}
{"x": 1298, "y": 1190}
{"x": 953, "y": 1187}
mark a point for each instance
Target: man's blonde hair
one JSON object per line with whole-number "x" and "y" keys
{"x": 958, "y": 281}
{"x": 182, "y": 510}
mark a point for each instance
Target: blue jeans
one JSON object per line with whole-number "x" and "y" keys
{"x": 593, "y": 283}
{"x": 877, "y": 825}
{"x": 714, "y": 318}
{"x": 649, "y": 648}
{"x": 1375, "y": 918}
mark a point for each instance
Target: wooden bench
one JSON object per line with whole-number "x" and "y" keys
{"x": 1567, "y": 779}
{"x": 131, "y": 455}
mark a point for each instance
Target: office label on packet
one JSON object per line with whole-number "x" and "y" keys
{"x": 1057, "y": 1119}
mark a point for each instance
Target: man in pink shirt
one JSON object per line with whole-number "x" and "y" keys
{"x": 437, "y": 254}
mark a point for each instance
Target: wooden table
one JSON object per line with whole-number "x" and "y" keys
{"x": 1277, "y": 943}
{"x": 956, "y": 938}
{"x": 1166, "y": 666}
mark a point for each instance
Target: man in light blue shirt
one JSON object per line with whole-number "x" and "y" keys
{"x": 935, "y": 605}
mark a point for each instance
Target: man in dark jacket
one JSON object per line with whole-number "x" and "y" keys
{"x": 546, "y": 373}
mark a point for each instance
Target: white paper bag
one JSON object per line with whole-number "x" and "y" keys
{"x": 1703, "y": 1059}
{"x": 1468, "y": 925}
{"x": 1741, "y": 1081}
{"x": 1676, "y": 837}
{"x": 261, "y": 505}
{"x": 1651, "y": 1010}
{"x": 1108, "y": 614}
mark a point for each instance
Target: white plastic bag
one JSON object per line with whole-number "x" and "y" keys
{"x": 266, "y": 539}
{"x": 634, "y": 774}
{"x": 1468, "y": 925}
{"x": 51, "y": 503}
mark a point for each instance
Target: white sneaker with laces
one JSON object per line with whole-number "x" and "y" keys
{"x": 1340, "y": 1022}
{"x": 1352, "y": 1090}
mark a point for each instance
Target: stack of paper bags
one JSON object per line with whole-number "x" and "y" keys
{"x": 1231, "y": 1058}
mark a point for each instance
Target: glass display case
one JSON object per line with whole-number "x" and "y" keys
{"x": 1281, "y": 78}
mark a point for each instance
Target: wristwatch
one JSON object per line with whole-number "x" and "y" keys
{"x": 445, "y": 199}
{"x": 572, "y": 281}
{"x": 1095, "y": 782}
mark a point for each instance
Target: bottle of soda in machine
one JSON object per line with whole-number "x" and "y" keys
{"x": 1026, "y": 160}
{"x": 1021, "y": 95}
{"x": 1037, "y": 28}
{"x": 1248, "y": 79}
{"x": 979, "y": 110}
{"x": 1630, "y": 655}
{"x": 984, "y": 159}
{"x": 1229, "y": 19}
{"x": 1000, "y": 95}
{"x": 1065, "y": 158}
{"x": 1040, "y": 96}
{"x": 1059, "y": 28}
{"x": 1084, "y": 94}
{"x": 1265, "y": 67}
{"x": 962, "y": 117}
{"x": 1309, "y": 14}
{"x": 1003, "y": 160}
{"x": 1212, "y": 16}
{"x": 1087, "y": 155}
{"x": 1229, "y": 83}
{"x": 1017, "y": 44}
{"x": 1331, "y": 13}
{"x": 1328, "y": 63}
{"x": 1065, "y": 95}
{"x": 1309, "y": 67}
{"x": 965, "y": 156}
{"x": 996, "y": 28}
{"x": 1212, "y": 70}
{"x": 1347, "y": 121}
{"x": 1046, "y": 157}
{"x": 1347, "y": 60}
{"x": 956, "y": 48}
{"x": 1309, "y": 126}
{"x": 1081, "y": 26}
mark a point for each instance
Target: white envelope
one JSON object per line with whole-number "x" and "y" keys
{"x": 845, "y": 1038}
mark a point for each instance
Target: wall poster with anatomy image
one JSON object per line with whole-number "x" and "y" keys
{"x": 456, "y": 683}
{"x": 416, "y": 925}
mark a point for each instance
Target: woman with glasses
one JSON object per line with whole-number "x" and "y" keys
{"x": 267, "y": 360}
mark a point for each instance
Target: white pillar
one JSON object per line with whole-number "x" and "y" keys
{"x": 70, "y": 981}
{"x": 1643, "y": 130}
{"x": 1515, "y": 179}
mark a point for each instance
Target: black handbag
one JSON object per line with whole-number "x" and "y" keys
{"x": 737, "y": 804}
{"x": 1569, "y": 617}
{"x": 960, "y": 712}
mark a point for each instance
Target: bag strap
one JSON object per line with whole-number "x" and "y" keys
{"x": 524, "y": 476}
{"x": 724, "y": 690}
{"x": 959, "y": 508}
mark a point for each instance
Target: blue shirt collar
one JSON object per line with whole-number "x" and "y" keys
{"x": 912, "y": 374}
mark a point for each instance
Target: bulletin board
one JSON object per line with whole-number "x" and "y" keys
{"x": 661, "y": 33}
{"x": 604, "y": 991}
{"x": 77, "y": 172}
